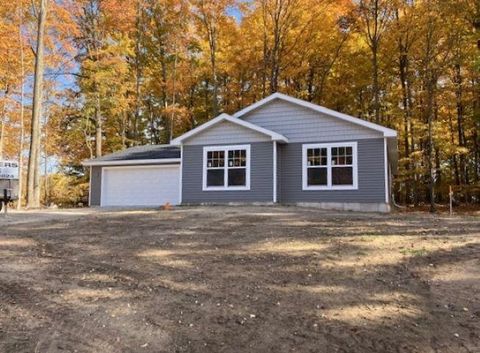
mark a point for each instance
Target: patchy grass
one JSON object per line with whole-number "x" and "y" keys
{"x": 414, "y": 252}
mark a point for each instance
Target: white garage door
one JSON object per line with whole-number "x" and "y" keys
{"x": 140, "y": 185}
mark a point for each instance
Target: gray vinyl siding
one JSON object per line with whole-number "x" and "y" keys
{"x": 261, "y": 177}
{"x": 371, "y": 176}
{"x": 96, "y": 186}
{"x": 226, "y": 132}
{"x": 300, "y": 124}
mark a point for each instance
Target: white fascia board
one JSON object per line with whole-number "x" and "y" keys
{"x": 181, "y": 138}
{"x": 225, "y": 117}
{"x": 385, "y": 131}
{"x": 93, "y": 163}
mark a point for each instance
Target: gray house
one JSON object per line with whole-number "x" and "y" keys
{"x": 278, "y": 150}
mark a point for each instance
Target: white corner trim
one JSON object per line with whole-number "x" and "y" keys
{"x": 90, "y": 188}
{"x": 385, "y": 165}
{"x": 225, "y": 186}
{"x": 329, "y": 166}
{"x": 90, "y": 163}
{"x": 102, "y": 187}
{"x": 274, "y": 171}
{"x": 385, "y": 131}
{"x": 225, "y": 117}
{"x": 180, "y": 183}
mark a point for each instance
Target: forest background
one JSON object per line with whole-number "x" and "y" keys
{"x": 82, "y": 78}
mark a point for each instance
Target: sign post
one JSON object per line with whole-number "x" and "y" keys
{"x": 5, "y": 202}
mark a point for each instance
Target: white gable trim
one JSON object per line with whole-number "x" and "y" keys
{"x": 225, "y": 117}
{"x": 385, "y": 131}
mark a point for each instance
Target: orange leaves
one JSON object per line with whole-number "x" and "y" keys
{"x": 142, "y": 64}
{"x": 120, "y": 15}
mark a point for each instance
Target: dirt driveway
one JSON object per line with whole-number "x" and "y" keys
{"x": 244, "y": 279}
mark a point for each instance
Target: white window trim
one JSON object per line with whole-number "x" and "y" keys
{"x": 329, "y": 185}
{"x": 225, "y": 186}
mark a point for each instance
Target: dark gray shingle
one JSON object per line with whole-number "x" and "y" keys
{"x": 142, "y": 152}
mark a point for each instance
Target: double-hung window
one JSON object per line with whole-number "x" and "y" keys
{"x": 330, "y": 166}
{"x": 226, "y": 167}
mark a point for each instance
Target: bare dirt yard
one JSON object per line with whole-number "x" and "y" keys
{"x": 239, "y": 279}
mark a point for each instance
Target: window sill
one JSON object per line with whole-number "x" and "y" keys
{"x": 326, "y": 188}
{"x": 241, "y": 188}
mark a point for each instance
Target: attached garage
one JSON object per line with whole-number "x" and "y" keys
{"x": 150, "y": 185}
{"x": 143, "y": 176}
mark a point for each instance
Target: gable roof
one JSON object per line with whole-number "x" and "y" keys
{"x": 385, "y": 131}
{"x": 147, "y": 154}
{"x": 225, "y": 117}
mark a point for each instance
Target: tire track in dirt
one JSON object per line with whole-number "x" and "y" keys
{"x": 228, "y": 277}
{"x": 64, "y": 321}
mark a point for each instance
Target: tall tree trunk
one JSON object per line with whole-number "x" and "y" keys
{"x": 45, "y": 168}
{"x": 430, "y": 147}
{"x": 310, "y": 80}
{"x": 98, "y": 127}
{"x": 22, "y": 116}
{"x": 476, "y": 152}
{"x": 265, "y": 51}
{"x": 212, "y": 39}
{"x": 376, "y": 88}
{"x": 33, "y": 176}
{"x": 374, "y": 15}
{"x": 138, "y": 70}
{"x": 210, "y": 23}
{"x": 2, "y": 122}
{"x": 406, "y": 102}
{"x": 438, "y": 173}
{"x": 174, "y": 94}
{"x": 454, "y": 163}
{"x": 458, "y": 79}
{"x": 476, "y": 135}
{"x": 275, "y": 52}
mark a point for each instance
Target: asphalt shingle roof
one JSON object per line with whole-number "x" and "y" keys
{"x": 142, "y": 152}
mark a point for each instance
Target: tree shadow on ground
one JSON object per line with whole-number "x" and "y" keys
{"x": 248, "y": 280}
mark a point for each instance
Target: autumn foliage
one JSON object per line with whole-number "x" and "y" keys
{"x": 121, "y": 73}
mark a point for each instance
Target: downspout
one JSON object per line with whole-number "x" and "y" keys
{"x": 390, "y": 181}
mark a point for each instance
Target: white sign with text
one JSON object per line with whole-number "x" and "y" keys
{"x": 8, "y": 169}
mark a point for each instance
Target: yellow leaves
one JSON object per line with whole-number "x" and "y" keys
{"x": 66, "y": 190}
{"x": 462, "y": 150}
{"x": 180, "y": 116}
{"x": 142, "y": 64}
{"x": 120, "y": 15}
